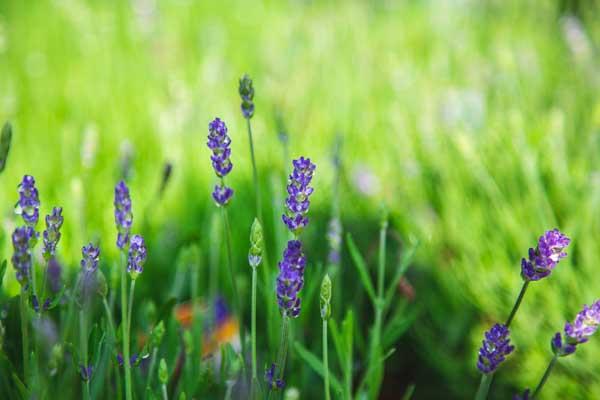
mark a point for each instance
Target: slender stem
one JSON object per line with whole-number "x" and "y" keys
{"x": 231, "y": 272}
{"x": 83, "y": 345}
{"x": 253, "y": 326}
{"x": 151, "y": 371}
{"x": 325, "y": 360}
{"x": 125, "y": 331}
{"x": 381, "y": 272}
{"x": 283, "y": 346}
{"x": 254, "y": 172}
{"x": 164, "y": 392}
{"x": 517, "y": 304}
{"x": 25, "y": 335}
{"x": 228, "y": 390}
{"x": 545, "y": 377}
{"x": 113, "y": 334}
{"x": 484, "y": 386}
{"x": 130, "y": 307}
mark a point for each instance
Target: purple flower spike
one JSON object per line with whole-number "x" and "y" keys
{"x": 495, "y": 347}
{"x": 272, "y": 382}
{"x": 548, "y": 252}
{"x": 524, "y": 396}
{"x": 123, "y": 214}
{"x": 90, "y": 256}
{"x": 298, "y": 193}
{"x": 54, "y": 222}
{"x": 219, "y": 142}
{"x": 291, "y": 279}
{"x": 23, "y": 239}
{"x": 222, "y": 195}
{"x": 29, "y": 201}
{"x": 137, "y": 256}
{"x": 585, "y": 325}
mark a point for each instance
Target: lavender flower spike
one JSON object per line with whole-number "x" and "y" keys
{"x": 219, "y": 142}
{"x": 90, "y": 256}
{"x": 123, "y": 214}
{"x": 246, "y": 91}
{"x": 23, "y": 239}
{"x": 222, "y": 194}
{"x": 272, "y": 382}
{"x": 298, "y": 193}
{"x": 54, "y": 222}
{"x": 585, "y": 325}
{"x": 137, "y": 256}
{"x": 29, "y": 201}
{"x": 291, "y": 279}
{"x": 548, "y": 252}
{"x": 494, "y": 349}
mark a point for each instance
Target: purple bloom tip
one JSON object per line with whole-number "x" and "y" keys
{"x": 29, "y": 202}
{"x": 137, "y": 256}
{"x": 494, "y": 349}
{"x": 273, "y": 383}
{"x": 291, "y": 279}
{"x": 547, "y": 254}
{"x": 222, "y": 195}
{"x": 51, "y": 235}
{"x": 90, "y": 256}
{"x": 298, "y": 189}
{"x": 123, "y": 214}
{"x": 586, "y": 323}
{"x": 219, "y": 142}
{"x": 524, "y": 396}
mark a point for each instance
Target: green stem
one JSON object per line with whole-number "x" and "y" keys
{"x": 25, "y": 335}
{"x": 151, "y": 371}
{"x": 164, "y": 392}
{"x": 517, "y": 303}
{"x": 545, "y": 377}
{"x": 130, "y": 307}
{"x": 254, "y": 172}
{"x": 381, "y": 272}
{"x": 125, "y": 331}
{"x": 253, "y": 326}
{"x": 113, "y": 334}
{"x": 484, "y": 386}
{"x": 231, "y": 273}
{"x": 325, "y": 360}
{"x": 283, "y": 346}
{"x": 83, "y": 345}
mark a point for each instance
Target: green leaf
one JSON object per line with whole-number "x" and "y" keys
{"x": 361, "y": 266}
{"x": 315, "y": 363}
{"x": 20, "y": 386}
{"x": 410, "y": 390}
{"x": 338, "y": 341}
{"x": 2, "y": 271}
{"x": 399, "y": 323}
{"x": 403, "y": 265}
{"x": 56, "y": 300}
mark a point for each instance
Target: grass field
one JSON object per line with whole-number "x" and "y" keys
{"x": 476, "y": 125}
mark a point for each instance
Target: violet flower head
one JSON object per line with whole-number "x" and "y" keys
{"x": 547, "y": 254}
{"x": 90, "y": 256}
{"x": 273, "y": 383}
{"x": 291, "y": 279}
{"x": 137, "y": 256}
{"x": 222, "y": 194}
{"x": 246, "y": 91}
{"x": 51, "y": 235}
{"x": 494, "y": 349}
{"x": 298, "y": 193}
{"x": 586, "y": 323}
{"x": 219, "y": 142}
{"x": 23, "y": 239}
{"x": 123, "y": 214}
{"x": 29, "y": 201}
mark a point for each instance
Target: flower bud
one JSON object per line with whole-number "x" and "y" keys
{"x": 325, "y": 298}
{"x": 256, "y": 244}
{"x": 163, "y": 374}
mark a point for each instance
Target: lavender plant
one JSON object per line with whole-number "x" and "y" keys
{"x": 254, "y": 259}
{"x": 291, "y": 268}
{"x": 325, "y": 306}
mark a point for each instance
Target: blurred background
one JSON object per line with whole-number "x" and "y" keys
{"x": 475, "y": 123}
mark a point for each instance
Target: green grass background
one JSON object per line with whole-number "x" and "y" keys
{"x": 480, "y": 120}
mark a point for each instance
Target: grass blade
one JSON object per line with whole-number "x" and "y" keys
{"x": 361, "y": 266}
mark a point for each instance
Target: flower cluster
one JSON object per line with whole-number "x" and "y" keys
{"x": 137, "y": 256}
{"x": 494, "y": 349}
{"x": 90, "y": 256}
{"x": 273, "y": 383}
{"x": 291, "y": 279}
{"x": 23, "y": 240}
{"x": 298, "y": 193}
{"x": 247, "y": 94}
{"x": 29, "y": 201}
{"x": 123, "y": 214}
{"x": 586, "y": 323}
{"x": 542, "y": 260}
{"x": 219, "y": 142}
{"x": 51, "y": 235}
